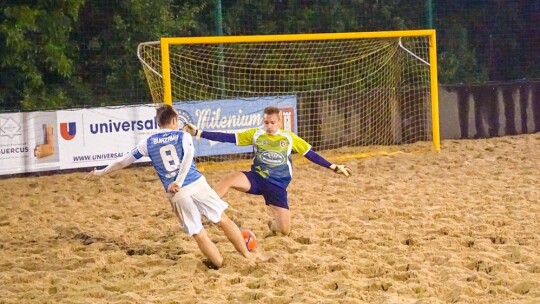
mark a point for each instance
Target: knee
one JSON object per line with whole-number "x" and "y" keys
{"x": 224, "y": 221}
{"x": 217, "y": 263}
{"x": 200, "y": 238}
{"x": 230, "y": 179}
{"x": 223, "y": 187}
{"x": 281, "y": 229}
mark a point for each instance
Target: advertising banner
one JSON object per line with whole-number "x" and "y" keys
{"x": 80, "y": 138}
{"x": 232, "y": 116}
{"x": 95, "y": 137}
{"x": 28, "y": 142}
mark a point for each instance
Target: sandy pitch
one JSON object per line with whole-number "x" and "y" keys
{"x": 462, "y": 226}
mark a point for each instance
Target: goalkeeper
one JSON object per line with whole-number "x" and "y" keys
{"x": 271, "y": 171}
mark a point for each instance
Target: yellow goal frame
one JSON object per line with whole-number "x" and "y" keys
{"x": 166, "y": 69}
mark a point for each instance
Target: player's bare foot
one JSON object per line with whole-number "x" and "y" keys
{"x": 210, "y": 265}
{"x": 272, "y": 226}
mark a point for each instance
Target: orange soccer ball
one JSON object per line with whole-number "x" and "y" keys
{"x": 249, "y": 239}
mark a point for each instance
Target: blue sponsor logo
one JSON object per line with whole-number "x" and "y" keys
{"x": 183, "y": 117}
{"x": 123, "y": 126}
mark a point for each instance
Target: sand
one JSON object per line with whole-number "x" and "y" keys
{"x": 460, "y": 226}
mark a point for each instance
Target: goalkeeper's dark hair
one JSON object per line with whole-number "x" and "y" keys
{"x": 165, "y": 115}
{"x": 271, "y": 110}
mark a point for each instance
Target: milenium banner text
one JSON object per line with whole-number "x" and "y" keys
{"x": 234, "y": 115}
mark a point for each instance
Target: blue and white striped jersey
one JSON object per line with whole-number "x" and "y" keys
{"x": 171, "y": 152}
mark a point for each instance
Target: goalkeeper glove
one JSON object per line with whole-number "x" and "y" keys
{"x": 193, "y": 130}
{"x": 341, "y": 169}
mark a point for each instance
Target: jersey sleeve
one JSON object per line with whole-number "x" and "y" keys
{"x": 219, "y": 136}
{"x": 141, "y": 149}
{"x": 299, "y": 145}
{"x": 189, "y": 152}
{"x": 119, "y": 163}
{"x": 245, "y": 138}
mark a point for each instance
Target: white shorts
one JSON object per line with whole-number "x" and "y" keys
{"x": 194, "y": 200}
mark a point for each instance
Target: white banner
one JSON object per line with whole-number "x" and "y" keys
{"x": 41, "y": 141}
{"x": 28, "y": 142}
{"x": 94, "y": 137}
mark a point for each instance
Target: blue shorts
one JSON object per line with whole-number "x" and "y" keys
{"x": 273, "y": 195}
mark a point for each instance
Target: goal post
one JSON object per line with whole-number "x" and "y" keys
{"x": 373, "y": 89}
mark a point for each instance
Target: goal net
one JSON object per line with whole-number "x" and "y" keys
{"x": 371, "y": 89}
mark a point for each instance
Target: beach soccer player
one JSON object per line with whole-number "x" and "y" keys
{"x": 171, "y": 151}
{"x": 271, "y": 171}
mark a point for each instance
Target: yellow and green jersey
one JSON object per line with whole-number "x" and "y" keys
{"x": 273, "y": 153}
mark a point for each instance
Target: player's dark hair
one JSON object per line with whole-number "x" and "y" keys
{"x": 165, "y": 115}
{"x": 271, "y": 110}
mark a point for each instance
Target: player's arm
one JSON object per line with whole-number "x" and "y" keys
{"x": 244, "y": 138}
{"x": 316, "y": 158}
{"x": 302, "y": 147}
{"x": 118, "y": 164}
{"x": 219, "y": 136}
{"x": 185, "y": 164}
{"x": 139, "y": 151}
{"x": 215, "y": 136}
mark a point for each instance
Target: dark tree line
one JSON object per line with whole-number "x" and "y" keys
{"x": 488, "y": 40}
{"x": 74, "y": 53}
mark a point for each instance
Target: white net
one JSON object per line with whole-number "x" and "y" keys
{"x": 349, "y": 92}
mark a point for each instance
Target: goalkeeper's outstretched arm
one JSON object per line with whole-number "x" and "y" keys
{"x": 231, "y": 138}
{"x": 321, "y": 161}
{"x": 215, "y": 136}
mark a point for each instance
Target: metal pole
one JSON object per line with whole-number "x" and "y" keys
{"x": 218, "y": 14}
{"x": 219, "y": 32}
{"x": 428, "y": 8}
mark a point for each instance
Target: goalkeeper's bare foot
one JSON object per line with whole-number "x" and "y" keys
{"x": 272, "y": 226}
{"x": 274, "y": 230}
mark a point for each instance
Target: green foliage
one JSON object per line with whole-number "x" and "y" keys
{"x": 488, "y": 40}
{"x": 457, "y": 59}
{"x": 108, "y": 40}
{"x": 243, "y": 17}
{"x": 35, "y": 53}
{"x": 58, "y": 54}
